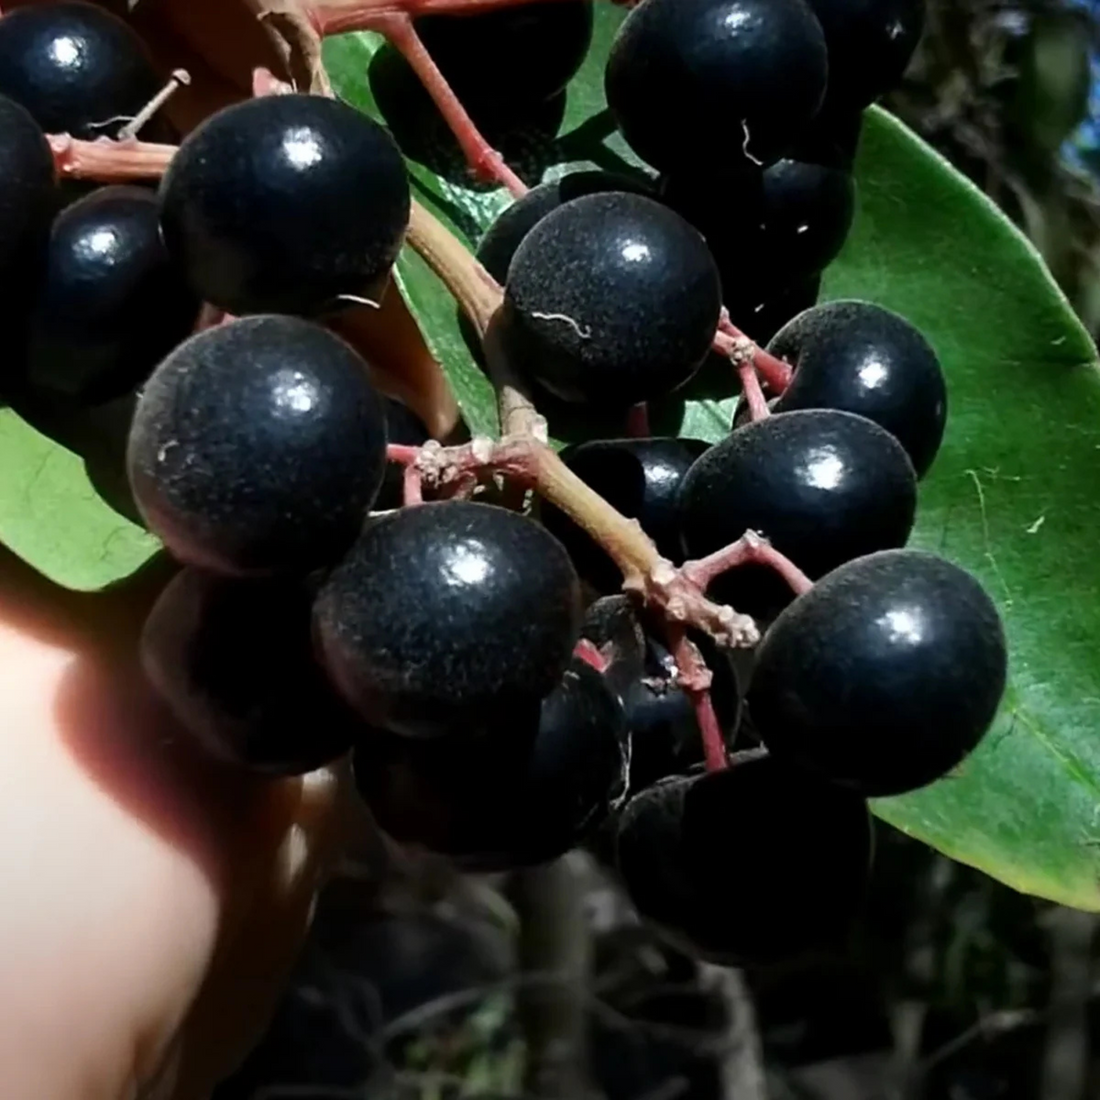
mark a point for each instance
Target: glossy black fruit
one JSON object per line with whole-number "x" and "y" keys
{"x": 884, "y": 676}
{"x": 258, "y": 447}
{"x": 512, "y": 57}
{"x": 234, "y": 661}
{"x": 752, "y": 865}
{"x": 716, "y": 85}
{"x": 402, "y": 426}
{"x": 503, "y": 237}
{"x": 286, "y": 204}
{"x": 639, "y": 477}
{"x": 864, "y": 359}
{"x": 78, "y": 69}
{"x": 870, "y": 44}
{"x": 611, "y": 299}
{"x": 449, "y": 615}
{"x": 519, "y": 796}
{"x": 111, "y": 303}
{"x": 26, "y": 182}
{"x": 823, "y": 486}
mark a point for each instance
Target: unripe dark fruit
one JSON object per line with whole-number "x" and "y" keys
{"x": 884, "y": 676}
{"x": 286, "y": 204}
{"x": 258, "y": 447}
{"x": 449, "y": 615}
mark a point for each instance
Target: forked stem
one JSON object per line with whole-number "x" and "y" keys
{"x": 695, "y": 680}
{"x": 754, "y": 395}
{"x": 732, "y": 343}
{"x": 749, "y": 549}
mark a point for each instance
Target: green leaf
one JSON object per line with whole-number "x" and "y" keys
{"x": 52, "y": 516}
{"x": 1013, "y": 497}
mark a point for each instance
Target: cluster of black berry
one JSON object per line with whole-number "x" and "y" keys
{"x": 447, "y": 644}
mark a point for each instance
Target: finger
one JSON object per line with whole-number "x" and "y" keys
{"x": 126, "y": 863}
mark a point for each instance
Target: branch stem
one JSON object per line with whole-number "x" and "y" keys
{"x": 750, "y": 548}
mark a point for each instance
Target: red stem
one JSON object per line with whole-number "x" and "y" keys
{"x": 750, "y": 548}
{"x": 754, "y": 395}
{"x": 358, "y": 15}
{"x": 413, "y": 485}
{"x": 732, "y": 343}
{"x": 485, "y": 162}
{"x": 402, "y": 455}
{"x": 587, "y": 651}
{"x": 109, "y": 161}
{"x": 695, "y": 679}
{"x": 637, "y": 421}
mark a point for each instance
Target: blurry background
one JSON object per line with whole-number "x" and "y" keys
{"x": 420, "y": 985}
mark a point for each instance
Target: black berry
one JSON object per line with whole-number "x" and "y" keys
{"x": 864, "y": 359}
{"x": 716, "y": 85}
{"x": 78, "y": 69}
{"x": 286, "y": 204}
{"x": 870, "y": 44}
{"x": 823, "y": 486}
{"x": 258, "y": 447}
{"x": 752, "y": 865}
{"x": 26, "y": 194}
{"x": 111, "y": 303}
{"x": 638, "y": 477}
{"x": 611, "y": 299}
{"x": 519, "y": 796}
{"x": 449, "y": 614}
{"x": 503, "y": 237}
{"x": 507, "y": 59}
{"x": 884, "y": 676}
{"x": 234, "y": 662}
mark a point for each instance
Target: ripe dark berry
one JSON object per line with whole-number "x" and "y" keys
{"x": 747, "y": 866}
{"x": 641, "y": 479}
{"x": 448, "y": 615}
{"x": 884, "y": 676}
{"x": 519, "y": 796}
{"x": 286, "y": 204}
{"x": 507, "y": 59}
{"x": 503, "y": 237}
{"x": 864, "y": 359}
{"x": 823, "y": 486}
{"x": 258, "y": 447}
{"x": 78, "y": 69}
{"x": 870, "y": 44}
{"x": 111, "y": 303}
{"x": 402, "y": 426}
{"x": 234, "y": 661}
{"x": 611, "y": 299}
{"x": 26, "y": 186}
{"x": 715, "y": 85}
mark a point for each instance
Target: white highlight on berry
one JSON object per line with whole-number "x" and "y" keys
{"x": 824, "y": 468}
{"x": 636, "y": 252}
{"x": 302, "y": 147}
{"x": 873, "y": 373}
{"x": 65, "y": 50}
{"x": 904, "y": 624}
{"x": 294, "y": 392}
{"x": 96, "y": 244}
{"x": 466, "y": 564}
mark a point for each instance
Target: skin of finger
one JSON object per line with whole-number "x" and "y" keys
{"x": 127, "y": 868}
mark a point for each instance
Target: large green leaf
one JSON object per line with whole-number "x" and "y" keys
{"x": 52, "y": 515}
{"x": 1013, "y": 496}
